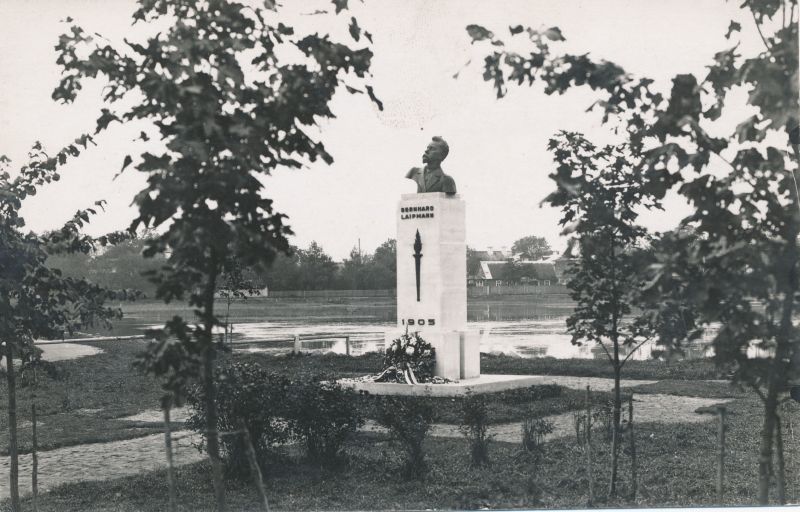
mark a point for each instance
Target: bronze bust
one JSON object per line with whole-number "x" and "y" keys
{"x": 431, "y": 178}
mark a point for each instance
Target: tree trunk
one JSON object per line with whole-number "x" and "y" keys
{"x": 228, "y": 334}
{"x": 212, "y": 434}
{"x": 170, "y": 470}
{"x": 12, "y": 428}
{"x": 781, "y": 477}
{"x": 34, "y": 449}
{"x": 211, "y": 392}
{"x": 634, "y": 477}
{"x": 765, "y": 453}
{"x": 612, "y": 490}
{"x": 784, "y": 349}
{"x": 588, "y": 435}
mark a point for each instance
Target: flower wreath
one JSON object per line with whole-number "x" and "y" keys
{"x": 408, "y": 359}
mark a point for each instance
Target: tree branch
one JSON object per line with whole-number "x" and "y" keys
{"x": 758, "y": 27}
{"x": 718, "y": 155}
{"x": 611, "y": 359}
{"x": 632, "y": 351}
{"x": 783, "y": 14}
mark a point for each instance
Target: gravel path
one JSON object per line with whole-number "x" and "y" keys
{"x": 647, "y": 408}
{"x": 116, "y": 459}
{"x": 66, "y": 351}
{"x": 596, "y": 383}
{"x": 100, "y": 461}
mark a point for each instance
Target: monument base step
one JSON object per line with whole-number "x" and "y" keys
{"x": 482, "y": 384}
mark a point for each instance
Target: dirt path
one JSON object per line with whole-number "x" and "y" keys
{"x": 116, "y": 459}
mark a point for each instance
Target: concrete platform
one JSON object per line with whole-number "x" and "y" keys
{"x": 482, "y": 384}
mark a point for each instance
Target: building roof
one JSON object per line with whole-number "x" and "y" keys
{"x": 493, "y": 255}
{"x": 503, "y": 270}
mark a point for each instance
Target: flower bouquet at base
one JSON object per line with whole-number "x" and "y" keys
{"x": 409, "y": 359}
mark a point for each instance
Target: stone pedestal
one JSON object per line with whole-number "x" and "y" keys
{"x": 432, "y": 281}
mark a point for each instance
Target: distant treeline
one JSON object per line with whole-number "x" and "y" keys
{"x": 122, "y": 266}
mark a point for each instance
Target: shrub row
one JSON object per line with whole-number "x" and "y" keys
{"x": 319, "y": 415}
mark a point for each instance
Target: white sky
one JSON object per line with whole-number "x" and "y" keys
{"x": 498, "y": 153}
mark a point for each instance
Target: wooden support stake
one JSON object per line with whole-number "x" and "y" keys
{"x": 721, "y": 455}
{"x": 34, "y": 458}
{"x": 34, "y": 447}
{"x": 588, "y": 435}
{"x": 781, "y": 476}
{"x": 13, "y": 452}
{"x": 634, "y": 483}
{"x": 347, "y": 345}
{"x": 251, "y": 456}
{"x": 170, "y": 470}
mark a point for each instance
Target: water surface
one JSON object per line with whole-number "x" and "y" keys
{"x": 521, "y": 326}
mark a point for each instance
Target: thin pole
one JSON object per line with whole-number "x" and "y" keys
{"x": 257, "y": 477}
{"x": 347, "y": 345}
{"x": 588, "y": 434}
{"x": 721, "y": 454}
{"x": 781, "y": 462}
{"x": 35, "y": 448}
{"x": 13, "y": 475}
{"x": 634, "y": 483}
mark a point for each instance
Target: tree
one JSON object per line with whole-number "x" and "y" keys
{"x": 376, "y": 271}
{"x": 237, "y": 282}
{"x": 37, "y": 300}
{"x": 233, "y": 94}
{"x": 119, "y": 266}
{"x": 531, "y": 248}
{"x": 353, "y": 275}
{"x": 599, "y": 192}
{"x": 743, "y": 186}
{"x": 71, "y": 265}
{"x": 317, "y": 270}
{"x": 384, "y": 265}
{"x": 473, "y": 262}
{"x": 283, "y": 273}
{"x": 123, "y": 266}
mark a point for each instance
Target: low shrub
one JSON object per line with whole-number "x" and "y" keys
{"x": 475, "y": 426}
{"x": 409, "y": 420}
{"x": 323, "y": 415}
{"x": 248, "y": 395}
{"x": 533, "y": 432}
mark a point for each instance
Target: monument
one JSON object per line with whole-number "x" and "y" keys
{"x": 432, "y": 288}
{"x": 432, "y": 268}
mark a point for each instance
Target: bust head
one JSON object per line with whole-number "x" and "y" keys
{"x": 436, "y": 151}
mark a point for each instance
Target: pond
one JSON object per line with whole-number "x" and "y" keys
{"x": 521, "y": 326}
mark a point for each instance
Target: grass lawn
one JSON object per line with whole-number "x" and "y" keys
{"x": 78, "y": 403}
{"x": 81, "y": 402}
{"x": 692, "y": 369}
{"x": 676, "y": 468}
